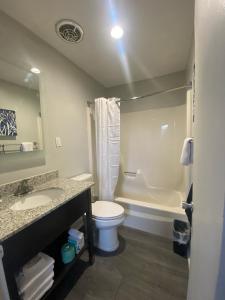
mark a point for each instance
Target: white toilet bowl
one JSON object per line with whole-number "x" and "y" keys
{"x": 107, "y": 216}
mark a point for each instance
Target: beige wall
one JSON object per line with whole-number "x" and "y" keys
{"x": 188, "y": 170}
{"x": 207, "y": 270}
{"x": 64, "y": 91}
{"x": 147, "y": 143}
{"x": 147, "y": 86}
{"x": 190, "y": 64}
{"x": 190, "y": 123}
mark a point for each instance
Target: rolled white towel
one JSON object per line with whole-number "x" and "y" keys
{"x": 187, "y": 152}
{"x": 27, "y": 146}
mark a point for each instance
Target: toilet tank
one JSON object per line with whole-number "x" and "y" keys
{"x": 86, "y": 177}
{"x": 83, "y": 177}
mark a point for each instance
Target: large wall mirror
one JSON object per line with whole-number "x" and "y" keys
{"x": 20, "y": 110}
{"x": 21, "y": 129}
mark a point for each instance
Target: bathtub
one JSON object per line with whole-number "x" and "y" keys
{"x": 152, "y": 210}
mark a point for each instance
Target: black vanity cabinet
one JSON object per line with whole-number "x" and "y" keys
{"x": 48, "y": 234}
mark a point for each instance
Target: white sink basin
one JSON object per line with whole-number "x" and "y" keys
{"x": 37, "y": 199}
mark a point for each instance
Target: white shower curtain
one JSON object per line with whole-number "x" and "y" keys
{"x": 107, "y": 126}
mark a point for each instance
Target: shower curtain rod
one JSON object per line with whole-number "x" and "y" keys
{"x": 152, "y": 94}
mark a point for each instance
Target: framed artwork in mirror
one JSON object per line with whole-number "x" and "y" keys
{"x": 8, "y": 122}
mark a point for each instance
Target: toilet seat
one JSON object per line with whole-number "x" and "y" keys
{"x": 107, "y": 210}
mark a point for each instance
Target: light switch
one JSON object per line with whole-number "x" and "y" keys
{"x": 58, "y": 142}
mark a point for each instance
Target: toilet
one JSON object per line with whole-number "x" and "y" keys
{"x": 107, "y": 216}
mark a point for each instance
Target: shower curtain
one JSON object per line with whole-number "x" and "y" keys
{"x": 107, "y": 127}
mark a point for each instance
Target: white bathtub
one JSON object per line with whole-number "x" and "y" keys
{"x": 153, "y": 210}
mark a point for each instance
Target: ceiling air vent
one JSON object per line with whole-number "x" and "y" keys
{"x": 69, "y": 31}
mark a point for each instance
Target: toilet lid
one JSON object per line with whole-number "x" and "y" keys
{"x": 106, "y": 209}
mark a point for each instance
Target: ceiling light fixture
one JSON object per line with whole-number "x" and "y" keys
{"x": 35, "y": 70}
{"x": 117, "y": 32}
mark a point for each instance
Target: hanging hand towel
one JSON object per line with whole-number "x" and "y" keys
{"x": 187, "y": 152}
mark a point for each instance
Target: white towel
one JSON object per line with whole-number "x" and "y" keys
{"x": 27, "y": 146}
{"x": 187, "y": 152}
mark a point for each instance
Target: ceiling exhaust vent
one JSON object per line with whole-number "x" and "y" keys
{"x": 69, "y": 31}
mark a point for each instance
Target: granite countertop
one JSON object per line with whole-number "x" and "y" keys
{"x": 12, "y": 221}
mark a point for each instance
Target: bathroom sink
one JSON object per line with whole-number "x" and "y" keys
{"x": 37, "y": 199}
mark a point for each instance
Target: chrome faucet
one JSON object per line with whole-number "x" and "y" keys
{"x": 23, "y": 188}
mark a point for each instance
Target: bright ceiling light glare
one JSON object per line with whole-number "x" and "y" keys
{"x": 35, "y": 70}
{"x": 117, "y": 32}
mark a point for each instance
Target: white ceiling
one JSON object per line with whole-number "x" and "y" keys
{"x": 157, "y": 39}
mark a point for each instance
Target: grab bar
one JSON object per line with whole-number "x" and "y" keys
{"x": 130, "y": 173}
{"x": 3, "y": 284}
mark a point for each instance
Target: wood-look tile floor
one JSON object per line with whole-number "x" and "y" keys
{"x": 146, "y": 269}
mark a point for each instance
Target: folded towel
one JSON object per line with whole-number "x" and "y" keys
{"x": 27, "y": 146}
{"x": 187, "y": 152}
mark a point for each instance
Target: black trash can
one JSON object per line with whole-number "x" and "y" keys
{"x": 181, "y": 237}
